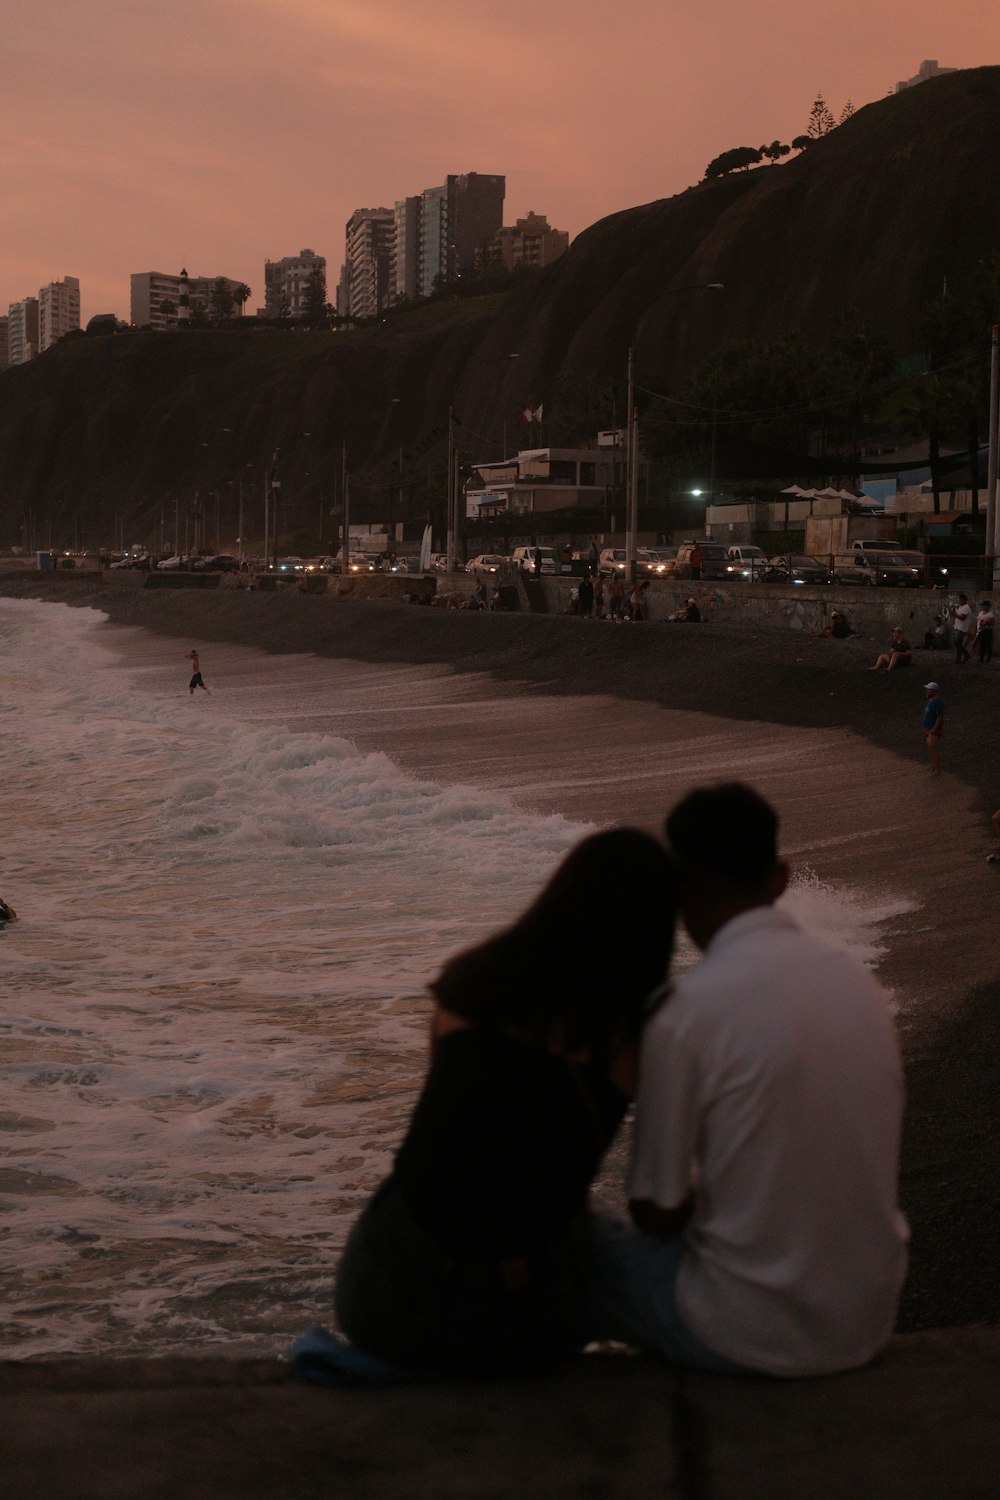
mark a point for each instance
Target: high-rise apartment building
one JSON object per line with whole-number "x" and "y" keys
{"x": 530, "y": 241}
{"x": 366, "y": 278}
{"x": 22, "y": 331}
{"x": 475, "y": 213}
{"x": 456, "y": 220}
{"x": 405, "y": 269}
{"x": 286, "y": 282}
{"x": 58, "y": 310}
{"x": 4, "y": 342}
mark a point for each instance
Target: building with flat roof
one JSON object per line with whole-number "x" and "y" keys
{"x": 4, "y": 342}
{"x": 58, "y": 310}
{"x": 366, "y": 277}
{"x": 286, "y": 284}
{"x": 530, "y": 241}
{"x": 928, "y": 69}
{"x": 160, "y": 300}
{"x": 537, "y": 480}
{"x": 22, "y": 331}
{"x": 405, "y": 269}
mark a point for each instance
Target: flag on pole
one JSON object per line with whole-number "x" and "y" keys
{"x": 529, "y": 414}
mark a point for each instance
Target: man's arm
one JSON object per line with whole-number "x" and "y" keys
{"x": 664, "y": 1223}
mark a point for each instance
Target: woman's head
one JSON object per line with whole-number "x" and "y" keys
{"x": 579, "y": 963}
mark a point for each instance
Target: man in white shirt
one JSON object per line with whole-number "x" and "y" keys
{"x": 961, "y": 619}
{"x": 764, "y": 1175}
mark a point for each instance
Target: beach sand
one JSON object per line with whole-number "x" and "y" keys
{"x": 612, "y": 723}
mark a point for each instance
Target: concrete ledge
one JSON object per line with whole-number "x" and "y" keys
{"x": 922, "y": 1423}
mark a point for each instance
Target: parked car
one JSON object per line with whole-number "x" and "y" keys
{"x": 656, "y": 562}
{"x": 222, "y": 562}
{"x": 524, "y": 558}
{"x": 439, "y": 562}
{"x": 797, "y": 568}
{"x": 612, "y": 560}
{"x": 875, "y": 568}
{"x": 714, "y": 558}
{"x": 744, "y": 561}
{"x": 486, "y": 562}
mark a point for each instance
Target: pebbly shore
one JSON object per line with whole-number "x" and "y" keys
{"x": 756, "y": 674}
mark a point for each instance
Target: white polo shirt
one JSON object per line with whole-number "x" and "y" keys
{"x": 771, "y": 1077}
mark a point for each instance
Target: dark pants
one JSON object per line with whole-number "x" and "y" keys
{"x": 401, "y": 1295}
{"x": 984, "y": 643}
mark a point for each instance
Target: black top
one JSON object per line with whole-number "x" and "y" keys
{"x": 503, "y": 1143}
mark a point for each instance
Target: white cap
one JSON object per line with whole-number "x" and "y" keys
{"x": 932, "y": 685}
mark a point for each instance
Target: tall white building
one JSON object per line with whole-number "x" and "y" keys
{"x": 22, "y": 331}
{"x": 365, "y": 283}
{"x": 58, "y": 310}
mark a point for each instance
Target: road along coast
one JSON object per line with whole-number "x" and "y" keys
{"x": 547, "y": 707}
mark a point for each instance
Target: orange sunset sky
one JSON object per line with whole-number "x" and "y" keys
{"x": 142, "y": 136}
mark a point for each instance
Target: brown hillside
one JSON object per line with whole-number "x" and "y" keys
{"x": 873, "y": 216}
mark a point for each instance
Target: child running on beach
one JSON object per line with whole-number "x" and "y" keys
{"x": 196, "y": 680}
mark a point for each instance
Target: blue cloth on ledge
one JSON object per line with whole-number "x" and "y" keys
{"x": 327, "y": 1359}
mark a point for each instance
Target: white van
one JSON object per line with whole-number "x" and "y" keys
{"x": 524, "y": 558}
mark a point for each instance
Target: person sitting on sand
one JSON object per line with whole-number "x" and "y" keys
{"x": 689, "y": 612}
{"x": 472, "y": 1258}
{"x": 898, "y": 655}
{"x": 936, "y": 638}
{"x": 838, "y": 629}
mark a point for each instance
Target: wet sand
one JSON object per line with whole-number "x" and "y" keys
{"x": 611, "y": 723}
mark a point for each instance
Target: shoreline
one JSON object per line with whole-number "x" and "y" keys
{"x": 614, "y": 683}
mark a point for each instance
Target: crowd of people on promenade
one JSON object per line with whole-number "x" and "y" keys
{"x": 762, "y": 1232}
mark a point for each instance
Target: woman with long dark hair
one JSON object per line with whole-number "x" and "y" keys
{"x": 472, "y": 1257}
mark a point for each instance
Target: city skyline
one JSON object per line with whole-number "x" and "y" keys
{"x": 218, "y": 135}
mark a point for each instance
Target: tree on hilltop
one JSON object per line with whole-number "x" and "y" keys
{"x": 315, "y": 311}
{"x": 775, "y": 151}
{"x": 736, "y": 160}
{"x": 821, "y": 120}
{"x": 221, "y": 300}
{"x": 800, "y": 142}
{"x": 846, "y": 112}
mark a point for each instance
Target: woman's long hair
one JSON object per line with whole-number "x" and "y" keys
{"x": 577, "y": 966}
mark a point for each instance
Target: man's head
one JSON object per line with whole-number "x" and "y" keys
{"x": 931, "y": 689}
{"x": 725, "y": 840}
{"x": 963, "y": 598}
{"x": 897, "y": 634}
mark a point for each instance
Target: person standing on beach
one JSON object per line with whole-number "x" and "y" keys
{"x": 961, "y": 618}
{"x": 196, "y": 679}
{"x": 933, "y": 725}
{"x": 983, "y": 640}
{"x": 765, "y": 1230}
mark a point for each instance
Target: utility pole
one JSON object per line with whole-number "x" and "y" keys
{"x": 345, "y": 484}
{"x": 632, "y": 526}
{"x": 451, "y": 499}
{"x": 992, "y": 549}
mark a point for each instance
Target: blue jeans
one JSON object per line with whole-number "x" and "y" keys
{"x": 633, "y": 1298}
